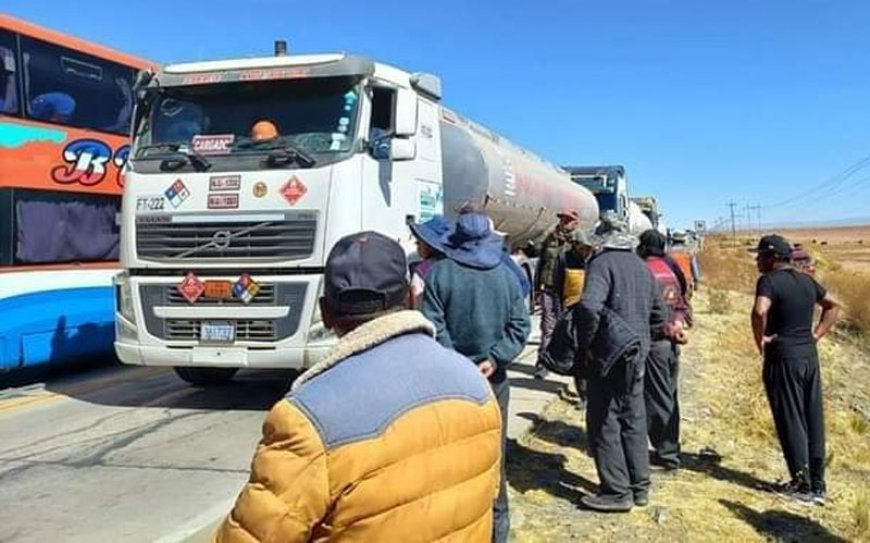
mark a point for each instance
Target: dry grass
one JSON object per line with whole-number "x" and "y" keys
{"x": 861, "y": 515}
{"x": 852, "y": 289}
{"x": 725, "y": 267}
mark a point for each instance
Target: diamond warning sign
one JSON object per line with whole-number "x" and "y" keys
{"x": 293, "y": 190}
{"x": 191, "y": 288}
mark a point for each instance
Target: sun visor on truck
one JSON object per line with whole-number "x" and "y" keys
{"x": 272, "y": 68}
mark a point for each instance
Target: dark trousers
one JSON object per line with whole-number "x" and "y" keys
{"x": 580, "y": 384}
{"x": 794, "y": 390}
{"x": 549, "y": 317}
{"x": 616, "y": 426}
{"x": 502, "y": 522}
{"x": 662, "y": 402}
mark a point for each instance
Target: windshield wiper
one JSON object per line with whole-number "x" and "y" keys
{"x": 199, "y": 162}
{"x": 281, "y": 152}
{"x": 288, "y": 154}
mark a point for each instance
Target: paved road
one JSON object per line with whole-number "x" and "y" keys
{"x": 135, "y": 454}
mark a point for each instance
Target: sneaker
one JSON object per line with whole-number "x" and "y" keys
{"x": 657, "y": 463}
{"x": 820, "y": 497}
{"x": 606, "y": 504}
{"x": 797, "y": 491}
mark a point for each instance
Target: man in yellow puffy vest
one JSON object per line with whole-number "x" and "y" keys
{"x": 390, "y": 437}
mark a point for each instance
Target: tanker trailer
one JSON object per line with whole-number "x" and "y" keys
{"x": 638, "y": 222}
{"x": 520, "y": 191}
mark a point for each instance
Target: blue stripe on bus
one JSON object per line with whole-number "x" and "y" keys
{"x": 56, "y": 326}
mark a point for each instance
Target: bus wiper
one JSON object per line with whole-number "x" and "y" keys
{"x": 197, "y": 160}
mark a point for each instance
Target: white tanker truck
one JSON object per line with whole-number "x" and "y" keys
{"x": 243, "y": 173}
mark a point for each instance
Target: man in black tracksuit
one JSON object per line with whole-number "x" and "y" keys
{"x": 782, "y": 323}
{"x": 618, "y": 280}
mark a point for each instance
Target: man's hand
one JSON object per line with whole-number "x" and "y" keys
{"x": 765, "y": 341}
{"x": 487, "y": 368}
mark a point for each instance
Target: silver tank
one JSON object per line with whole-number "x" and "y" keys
{"x": 521, "y": 192}
{"x": 638, "y": 222}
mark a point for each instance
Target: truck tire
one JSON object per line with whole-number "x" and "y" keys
{"x": 205, "y": 376}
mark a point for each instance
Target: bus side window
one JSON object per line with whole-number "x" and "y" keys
{"x": 76, "y": 89}
{"x": 7, "y": 220}
{"x": 8, "y": 74}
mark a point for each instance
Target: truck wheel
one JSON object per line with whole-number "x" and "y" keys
{"x": 205, "y": 376}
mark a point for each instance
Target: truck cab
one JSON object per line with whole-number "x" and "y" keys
{"x": 607, "y": 183}
{"x": 242, "y": 175}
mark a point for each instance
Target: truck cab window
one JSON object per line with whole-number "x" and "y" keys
{"x": 383, "y": 100}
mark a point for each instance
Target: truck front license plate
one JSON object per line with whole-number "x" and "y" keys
{"x": 217, "y": 332}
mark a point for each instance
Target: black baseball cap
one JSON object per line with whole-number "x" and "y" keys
{"x": 773, "y": 245}
{"x": 366, "y": 273}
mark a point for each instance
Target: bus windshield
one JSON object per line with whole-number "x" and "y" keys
{"x": 313, "y": 116}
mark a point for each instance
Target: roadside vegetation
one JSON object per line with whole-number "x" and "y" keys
{"x": 731, "y": 455}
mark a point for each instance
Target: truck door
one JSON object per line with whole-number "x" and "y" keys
{"x": 406, "y": 187}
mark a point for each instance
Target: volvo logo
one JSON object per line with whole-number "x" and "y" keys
{"x": 221, "y": 239}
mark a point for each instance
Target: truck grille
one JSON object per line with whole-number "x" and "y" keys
{"x": 266, "y": 296}
{"x": 246, "y": 330}
{"x": 162, "y": 239}
{"x": 290, "y": 295}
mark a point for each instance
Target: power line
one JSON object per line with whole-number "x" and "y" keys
{"x": 828, "y": 185}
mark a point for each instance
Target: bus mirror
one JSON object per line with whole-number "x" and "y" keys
{"x": 406, "y": 113}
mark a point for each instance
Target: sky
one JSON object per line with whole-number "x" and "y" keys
{"x": 704, "y": 102}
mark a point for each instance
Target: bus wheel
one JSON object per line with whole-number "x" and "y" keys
{"x": 206, "y": 376}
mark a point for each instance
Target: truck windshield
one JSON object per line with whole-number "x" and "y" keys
{"x": 314, "y": 117}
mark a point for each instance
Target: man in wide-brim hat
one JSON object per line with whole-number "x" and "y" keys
{"x": 478, "y": 309}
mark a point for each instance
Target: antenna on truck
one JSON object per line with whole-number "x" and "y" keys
{"x": 280, "y": 48}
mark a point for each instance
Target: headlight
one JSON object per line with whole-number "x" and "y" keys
{"x": 124, "y": 297}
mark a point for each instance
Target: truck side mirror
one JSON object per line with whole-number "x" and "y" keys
{"x": 405, "y": 114}
{"x": 395, "y": 149}
{"x": 402, "y": 149}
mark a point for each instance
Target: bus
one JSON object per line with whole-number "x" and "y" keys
{"x": 65, "y": 109}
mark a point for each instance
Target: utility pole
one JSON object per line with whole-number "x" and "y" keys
{"x": 732, "y": 204}
{"x": 748, "y": 219}
{"x": 757, "y": 209}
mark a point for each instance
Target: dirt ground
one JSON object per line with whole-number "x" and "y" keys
{"x": 848, "y": 246}
{"x": 730, "y": 454}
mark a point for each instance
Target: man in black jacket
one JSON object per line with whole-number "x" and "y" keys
{"x": 618, "y": 280}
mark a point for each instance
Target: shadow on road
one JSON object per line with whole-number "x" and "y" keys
{"x": 114, "y": 384}
{"x": 781, "y": 525}
{"x": 21, "y": 377}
